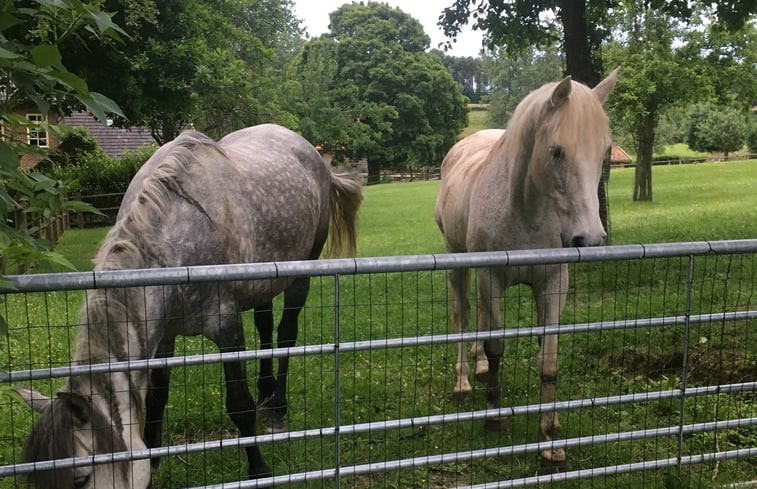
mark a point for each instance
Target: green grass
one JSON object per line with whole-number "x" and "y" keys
{"x": 682, "y": 150}
{"x": 691, "y": 202}
{"x": 476, "y": 119}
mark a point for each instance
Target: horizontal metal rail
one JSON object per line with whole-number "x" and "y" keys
{"x": 354, "y": 266}
{"x": 354, "y": 346}
{"x": 417, "y": 462}
{"x": 405, "y": 423}
{"x": 619, "y": 469}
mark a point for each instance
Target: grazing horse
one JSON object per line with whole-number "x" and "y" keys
{"x": 259, "y": 194}
{"x": 532, "y": 186}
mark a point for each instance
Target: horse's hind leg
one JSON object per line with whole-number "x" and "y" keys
{"x": 286, "y": 337}
{"x": 550, "y": 303}
{"x": 459, "y": 286}
{"x": 157, "y": 396}
{"x": 266, "y": 382}
{"x": 239, "y": 402}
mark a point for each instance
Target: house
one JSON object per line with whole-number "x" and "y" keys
{"x": 113, "y": 140}
{"x": 618, "y": 157}
{"x": 38, "y": 138}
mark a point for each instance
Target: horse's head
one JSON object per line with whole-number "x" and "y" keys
{"x": 69, "y": 426}
{"x": 571, "y": 142}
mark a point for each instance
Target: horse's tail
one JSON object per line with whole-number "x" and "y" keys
{"x": 344, "y": 199}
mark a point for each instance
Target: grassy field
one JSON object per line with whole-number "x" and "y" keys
{"x": 691, "y": 202}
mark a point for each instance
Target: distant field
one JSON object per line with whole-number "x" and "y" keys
{"x": 476, "y": 119}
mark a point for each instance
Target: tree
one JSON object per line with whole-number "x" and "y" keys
{"x": 514, "y": 78}
{"x": 469, "y": 73}
{"x": 716, "y": 128}
{"x": 31, "y": 70}
{"x": 653, "y": 79}
{"x": 391, "y": 101}
{"x": 210, "y": 63}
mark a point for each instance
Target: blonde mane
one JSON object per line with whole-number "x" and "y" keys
{"x": 567, "y": 125}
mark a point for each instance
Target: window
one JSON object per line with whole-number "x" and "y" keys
{"x": 36, "y": 136}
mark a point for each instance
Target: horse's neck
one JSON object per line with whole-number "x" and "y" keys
{"x": 110, "y": 332}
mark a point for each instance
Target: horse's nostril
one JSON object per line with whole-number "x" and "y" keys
{"x": 578, "y": 241}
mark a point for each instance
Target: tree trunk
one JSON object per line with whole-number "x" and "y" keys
{"x": 642, "y": 189}
{"x": 374, "y": 172}
{"x": 579, "y": 61}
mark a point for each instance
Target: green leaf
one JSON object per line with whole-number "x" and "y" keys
{"x": 8, "y": 158}
{"x": 56, "y": 258}
{"x": 47, "y": 55}
{"x": 8, "y": 20}
{"x": 70, "y": 80}
{"x": 79, "y": 206}
{"x": 107, "y": 104}
{"x": 6, "y": 54}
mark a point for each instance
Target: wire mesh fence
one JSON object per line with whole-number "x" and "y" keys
{"x": 656, "y": 388}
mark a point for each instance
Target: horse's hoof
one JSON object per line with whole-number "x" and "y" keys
{"x": 276, "y": 423}
{"x": 459, "y": 397}
{"x": 482, "y": 372}
{"x": 552, "y": 461}
{"x": 495, "y": 425}
{"x": 261, "y": 472}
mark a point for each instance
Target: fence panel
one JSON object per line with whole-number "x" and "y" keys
{"x": 657, "y": 383}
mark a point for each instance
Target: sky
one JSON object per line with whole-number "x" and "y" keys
{"x": 315, "y": 18}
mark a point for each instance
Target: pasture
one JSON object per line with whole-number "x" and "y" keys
{"x": 691, "y": 202}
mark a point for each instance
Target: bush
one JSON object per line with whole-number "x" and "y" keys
{"x": 751, "y": 139}
{"x": 716, "y": 128}
{"x": 94, "y": 172}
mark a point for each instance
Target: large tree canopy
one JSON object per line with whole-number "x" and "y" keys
{"x": 375, "y": 93}
{"x": 211, "y": 63}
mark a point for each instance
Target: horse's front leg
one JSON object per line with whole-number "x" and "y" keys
{"x": 157, "y": 396}
{"x": 550, "y": 300}
{"x": 490, "y": 287}
{"x": 459, "y": 284}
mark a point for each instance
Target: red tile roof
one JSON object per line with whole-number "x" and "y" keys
{"x": 619, "y": 156}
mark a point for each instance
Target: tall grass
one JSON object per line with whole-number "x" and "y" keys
{"x": 692, "y": 202}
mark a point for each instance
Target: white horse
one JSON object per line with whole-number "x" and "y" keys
{"x": 532, "y": 186}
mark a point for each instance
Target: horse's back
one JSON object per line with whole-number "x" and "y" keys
{"x": 460, "y": 170}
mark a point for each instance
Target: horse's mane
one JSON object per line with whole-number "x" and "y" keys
{"x": 127, "y": 244}
{"x": 582, "y": 105}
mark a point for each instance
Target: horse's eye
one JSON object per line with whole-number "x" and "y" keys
{"x": 557, "y": 152}
{"x": 81, "y": 481}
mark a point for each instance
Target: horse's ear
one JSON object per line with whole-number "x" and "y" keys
{"x": 561, "y": 92}
{"x": 33, "y": 398}
{"x": 602, "y": 91}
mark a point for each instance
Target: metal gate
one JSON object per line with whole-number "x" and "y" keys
{"x": 658, "y": 374}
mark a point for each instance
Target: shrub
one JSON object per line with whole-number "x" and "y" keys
{"x": 751, "y": 139}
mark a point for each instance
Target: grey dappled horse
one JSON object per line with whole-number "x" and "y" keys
{"x": 532, "y": 186}
{"x": 259, "y": 194}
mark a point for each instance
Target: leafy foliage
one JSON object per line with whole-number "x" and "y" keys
{"x": 369, "y": 89}
{"x": 215, "y": 64}
{"x": 716, "y": 128}
{"x": 32, "y": 71}
{"x": 513, "y": 79}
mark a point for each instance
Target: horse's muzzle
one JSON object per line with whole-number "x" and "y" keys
{"x": 581, "y": 241}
